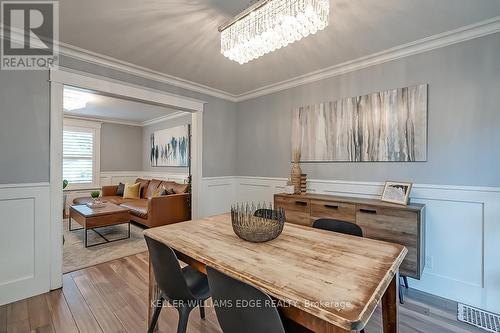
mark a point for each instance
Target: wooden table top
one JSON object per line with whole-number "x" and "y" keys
{"x": 338, "y": 278}
{"x": 109, "y": 208}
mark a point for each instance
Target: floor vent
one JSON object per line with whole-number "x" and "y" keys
{"x": 486, "y": 320}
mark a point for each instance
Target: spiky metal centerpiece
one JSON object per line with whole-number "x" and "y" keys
{"x": 257, "y": 223}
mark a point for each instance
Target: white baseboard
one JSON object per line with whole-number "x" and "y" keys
{"x": 462, "y": 229}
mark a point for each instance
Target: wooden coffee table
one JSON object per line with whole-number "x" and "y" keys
{"x": 92, "y": 218}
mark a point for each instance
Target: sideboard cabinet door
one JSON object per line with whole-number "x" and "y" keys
{"x": 395, "y": 226}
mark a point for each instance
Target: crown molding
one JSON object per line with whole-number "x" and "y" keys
{"x": 127, "y": 67}
{"x": 459, "y": 35}
{"x": 164, "y": 118}
{"x": 103, "y": 120}
{"x": 444, "y": 39}
{"x": 129, "y": 123}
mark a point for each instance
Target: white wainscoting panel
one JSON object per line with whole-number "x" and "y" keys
{"x": 216, "y": 196}
{"x": 24, "y": 241}
{"x": 462, "y": 229}
{"x": 116, "y": 177}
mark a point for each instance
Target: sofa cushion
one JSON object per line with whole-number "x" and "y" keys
{"x": 144, "y": 186}
{"x": 137, "y": 207}
{"x": 177, "y": 188}
{"x": 152, "y": 187}
{"x": 116, "y": 199}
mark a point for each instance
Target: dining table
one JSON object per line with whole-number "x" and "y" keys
{"x": 322, "y": 281}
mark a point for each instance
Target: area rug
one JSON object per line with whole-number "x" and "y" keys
{"x": 76, "y": 256}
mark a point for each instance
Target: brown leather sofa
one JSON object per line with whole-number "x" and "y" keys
{"x": 148, "y": 210}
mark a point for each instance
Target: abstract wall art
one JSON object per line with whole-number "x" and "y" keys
{"x": 385, "y": 126}
{"x": 170, "y": 147}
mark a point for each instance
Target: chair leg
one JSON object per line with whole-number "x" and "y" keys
{"x": 401, "y": 296}
{"x": 183, "y": 318}
{"x": 202, "y": 309}
{"x": 405, "y": 280}
{"x": 156, "y": 314}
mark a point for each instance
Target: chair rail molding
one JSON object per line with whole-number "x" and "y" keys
{"x": 462, "y": 229}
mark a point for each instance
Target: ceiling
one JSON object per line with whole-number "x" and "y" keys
{"x": 180, "y": 37}
{"x": 114, "y": 109}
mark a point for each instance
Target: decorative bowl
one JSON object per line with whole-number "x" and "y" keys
{"x": 257, "y": 224}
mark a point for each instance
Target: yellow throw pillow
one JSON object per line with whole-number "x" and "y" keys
{"x": 132, "y": 191}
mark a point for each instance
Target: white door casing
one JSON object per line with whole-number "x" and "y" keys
{"x": 61, "y": 77}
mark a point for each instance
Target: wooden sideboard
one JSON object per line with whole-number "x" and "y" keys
{"x": 393, "y": 223}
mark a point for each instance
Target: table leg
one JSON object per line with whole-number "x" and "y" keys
{"x": 153, "y": 295}
{"x": 390, "y": 307}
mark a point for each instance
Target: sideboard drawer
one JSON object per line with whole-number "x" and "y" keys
{"x": 333, "y": 210}
{"x": 297, "y": 210}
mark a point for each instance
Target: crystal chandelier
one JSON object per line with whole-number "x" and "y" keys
{"x": 271, "y": 24}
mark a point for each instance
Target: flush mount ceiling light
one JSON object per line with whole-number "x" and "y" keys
{"x": 76, "y": 99}
{"x": 271, "y": 24}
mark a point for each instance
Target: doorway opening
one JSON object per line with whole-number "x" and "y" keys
{"x": 107, "y": 138}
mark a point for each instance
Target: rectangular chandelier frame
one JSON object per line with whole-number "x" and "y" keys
{"x": 269, "y": 25}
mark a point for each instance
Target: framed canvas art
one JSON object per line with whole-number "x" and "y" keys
{"x": 170, "y": 147}
{"x": 387, "y": 126}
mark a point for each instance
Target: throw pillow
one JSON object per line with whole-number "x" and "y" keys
{"x": 158, "y": 192}
{"x": 132, "y": 191}
{"x": 120, "y": 189}
{"x": 162, "y": 191}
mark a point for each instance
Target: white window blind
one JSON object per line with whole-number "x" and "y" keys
{"x": 78, "y": 155}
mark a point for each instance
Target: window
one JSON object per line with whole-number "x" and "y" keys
{"x": 81, "y": 153}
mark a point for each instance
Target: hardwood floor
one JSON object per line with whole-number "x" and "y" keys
{"x": 112, "y": 297}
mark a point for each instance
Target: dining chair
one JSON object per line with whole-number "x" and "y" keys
{"x": 338, "y": 226}
{"x": 342, "y": 227}
{"x": 264, "y": 213}
{"x": 403, "y": 282}
{"x": 184, "y": 288}
{"x": 230, "y": 297}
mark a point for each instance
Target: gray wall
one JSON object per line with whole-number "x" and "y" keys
{"x": 219, "y": 118}
{"x": 464, "y": 129}
{"x": 25, "y": 118}
{"x": 121, "y": 147}
{"x": 146, "y": 133}
{"x": 24, "y": 127}
{"x": 463, "y": 119}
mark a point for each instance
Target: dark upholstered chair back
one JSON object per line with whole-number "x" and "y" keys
{"x": 338, "y": 226}
{"x": 167, "y": 271}
{"x": 229, "y": 295}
